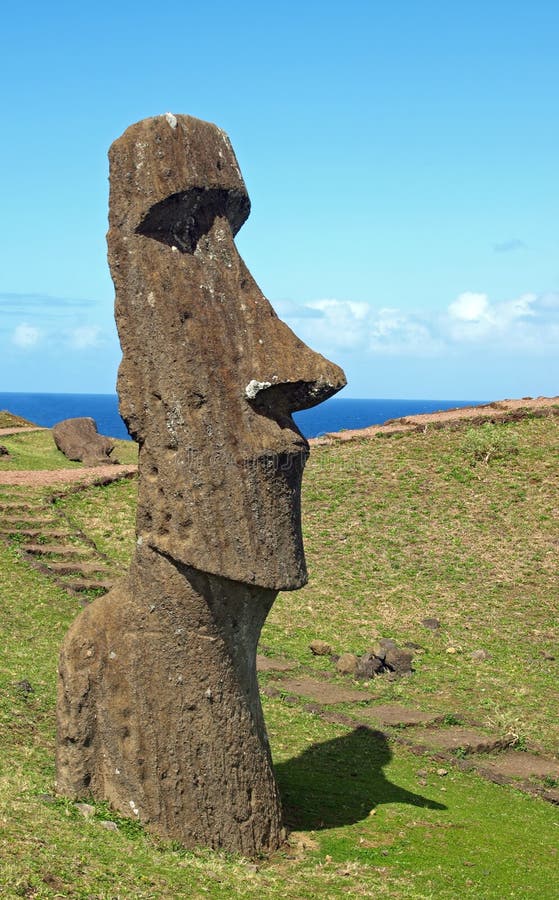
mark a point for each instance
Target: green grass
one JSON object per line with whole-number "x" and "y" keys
{"x": 37, "y": 450}
{"x": 33, "y": 450}
{"x": 392, "y": 536}
{"x": 106, "y": 515}
{"x": 9, "y": 420}
{"x": 396, "y": 530}
{"x": 364, "y": 824}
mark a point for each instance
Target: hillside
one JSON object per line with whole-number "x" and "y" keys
{"x": 443, "y": 539}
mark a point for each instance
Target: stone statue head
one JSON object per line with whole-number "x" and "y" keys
{"x": 210, "y": 376}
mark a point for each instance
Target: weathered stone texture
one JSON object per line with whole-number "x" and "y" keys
{"x": 159, "y": 708}
{"x": 159, "y": 711}
{"x": 78, "y": 439}
{"x": 210, "y": 375}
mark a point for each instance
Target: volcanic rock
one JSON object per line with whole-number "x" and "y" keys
{"x": 398, "y": 661}
{"x": 158, "y": 707}
{"x": 79, "y": 440}
{"x": 368, "y": 665}
{"x": 347, "y": 664}
{"x": 320, "y": 648}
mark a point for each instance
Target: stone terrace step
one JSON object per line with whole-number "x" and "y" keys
{"x": 30, "y": 520}
{"x": 35, "y": 533}
{"x": 57, "y": 549}
{"x": 9, "y": 507}
{"x": 75, "y": 568}
{"x": 82, "y": 585}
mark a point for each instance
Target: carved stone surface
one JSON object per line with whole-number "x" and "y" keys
{"x": 159, "y": 710}
{"x": 78, "y": 439}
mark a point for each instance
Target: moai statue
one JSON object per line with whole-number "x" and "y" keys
{"x": 158, "y": 705}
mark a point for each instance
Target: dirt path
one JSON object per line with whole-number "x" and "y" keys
{"x": 12, "y": 430}
{"x": 40, "y": 477}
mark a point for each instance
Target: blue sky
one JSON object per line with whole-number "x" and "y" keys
{"x": 401, "y": 160}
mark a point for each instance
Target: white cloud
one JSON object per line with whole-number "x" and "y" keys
{"x": 340, "y": 324}
{"x": 84, "y": 336}
{"x": 25, "y": 335}
{"x": 395, "y": 333}
{"x": 472, "y": 318}
{"x": 529, "y": 322}
{"x": 470, "y": 307}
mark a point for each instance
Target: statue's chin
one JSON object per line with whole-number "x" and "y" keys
{"x": 286, "y": 572}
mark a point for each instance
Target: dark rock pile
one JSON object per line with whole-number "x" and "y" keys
{"x": 385, "y": 657}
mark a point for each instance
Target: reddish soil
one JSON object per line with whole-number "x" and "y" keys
{"x": 516, "y": 764}
{"x": 321, "y": 691}
{"x": 40, "y": 477}
{"x": 12, "y": 430}
{"x": 398, "y": 716}
{"x": 501, "y": 409}
{"x": 459, "y": 738}
{"x": 496, "y": 411}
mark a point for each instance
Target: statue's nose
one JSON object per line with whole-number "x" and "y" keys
{"x": 287, "y": 375}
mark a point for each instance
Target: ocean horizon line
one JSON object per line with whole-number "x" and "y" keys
{"x": 336, "y": 414}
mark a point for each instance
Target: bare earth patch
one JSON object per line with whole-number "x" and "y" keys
{"x": 273, "y": 664}
{"x": 517, "y": 764}
{"x": 321, "y": 691}
{"x": 457, "y": 738}
{"x": 399, "y": 716}
{"x": 41, "y": 477}
{"x": 20, "y": 429}
{"x": 495, "y": 411}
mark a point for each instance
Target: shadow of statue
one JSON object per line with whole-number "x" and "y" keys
{"x": 339, "y": 782}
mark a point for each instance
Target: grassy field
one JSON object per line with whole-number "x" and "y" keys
{"x": 9, "y": 420}
{"x": 37, "y": 450}
{"x": 397, "y": 529}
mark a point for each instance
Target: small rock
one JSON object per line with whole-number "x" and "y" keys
{"x": 320, "y": 648}
{"x": 387, "y": 643}
{"x": 480, "y": 655}
{"x": 442, "y": 772}
{"x": 347, "y": 664}
{"x": 368, "y": 665}
{"x": 379, "y": 651}
{"x": 86, "y": 809}
{"x": 108, "y": 824}
{"x": 398, "y": 661}
{"x": 451, "y": 650}
{"x": 431, "y": 623}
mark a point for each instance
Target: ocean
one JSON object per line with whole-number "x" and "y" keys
{"x": 334, "y": 415}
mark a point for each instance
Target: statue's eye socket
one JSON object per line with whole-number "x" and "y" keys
{"x": 182, "y": 219}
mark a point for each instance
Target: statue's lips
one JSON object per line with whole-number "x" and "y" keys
{"x": 287, "y": 451}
